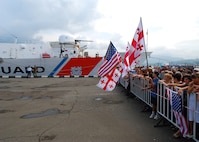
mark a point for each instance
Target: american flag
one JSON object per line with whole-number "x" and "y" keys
{"x": 176, "y": 104}
{"x": 111, "y": 60}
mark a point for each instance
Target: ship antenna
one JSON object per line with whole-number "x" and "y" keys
{"x": 16, "y": 39}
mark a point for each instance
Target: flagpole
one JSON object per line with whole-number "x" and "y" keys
{"x": 108, "y": 49}
{"x": 145, "y": 48}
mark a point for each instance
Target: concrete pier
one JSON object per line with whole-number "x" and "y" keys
{"x": 73, "y": 110}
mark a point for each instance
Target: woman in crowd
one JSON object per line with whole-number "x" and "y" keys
{"x": 167, "y": 79}
{"x": 193, "y": 90}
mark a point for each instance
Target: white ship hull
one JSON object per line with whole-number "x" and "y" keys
{"x": 51, "y": 67}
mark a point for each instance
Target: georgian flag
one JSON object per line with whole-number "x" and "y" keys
{"x": 126, "y": 66}
{"x": 109, "y": 81}
{"x": 138, "y": 44}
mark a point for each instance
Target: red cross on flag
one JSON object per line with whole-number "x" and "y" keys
{"x": 138, "y": 44}
{"x": 126, "y": 66}
{"x": 109, "y": 81}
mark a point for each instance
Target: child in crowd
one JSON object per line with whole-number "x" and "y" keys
{"x": 153, "y": 82}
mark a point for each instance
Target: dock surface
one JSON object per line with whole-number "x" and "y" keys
{"x": 73, "y": 110}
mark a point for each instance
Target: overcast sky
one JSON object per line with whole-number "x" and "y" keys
{"x": 173, "y": 25}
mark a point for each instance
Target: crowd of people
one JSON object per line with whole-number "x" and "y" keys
{"x": 184, "y": 80}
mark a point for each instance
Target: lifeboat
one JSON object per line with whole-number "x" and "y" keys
{"x": 45, "y": 55}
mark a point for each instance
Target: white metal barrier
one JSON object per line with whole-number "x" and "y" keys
{"x": 163, "y": 103}
{"x": 136, "y": 84}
